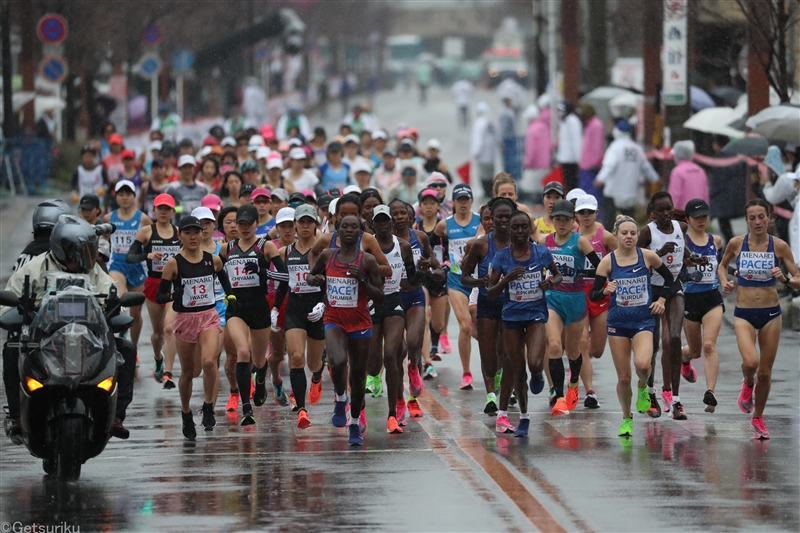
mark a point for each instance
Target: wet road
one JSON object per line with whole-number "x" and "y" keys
{"x": 448, "y": 472}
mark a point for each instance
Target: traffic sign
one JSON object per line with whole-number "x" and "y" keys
{"x": 150, "y": 65}
{"x": 53, "y": 69}
{"x": 152, "y": 33}
{"x": 182, "y": 60}
{"x": 52, "y": 28}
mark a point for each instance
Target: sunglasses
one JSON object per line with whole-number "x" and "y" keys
{"x": 261, "y": 201}
{"x": 438, "y": 185}
{"x": 586, "y": 212}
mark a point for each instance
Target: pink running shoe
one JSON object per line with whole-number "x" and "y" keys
{"x": 362, "y": 421}
{"x": 400, "y": 407}
{"x": 746, "y": 397}
{"x": 666, "y": 395}
{"x": 760, "y": 427}
{"x": 502, "y": 425}
{"x": 444, "y": 343}
{"x": 466, "y": 383}
{"x": 415, "y": 381}
{"x": 688, "y": 372}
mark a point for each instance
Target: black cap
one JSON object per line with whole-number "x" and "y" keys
{"x": 324, "y": 201}
{"x": 246, "y": 190}
{"x": 553, "y": 186}
{"x": 89, "y": 201}
{"x": 168, "y": 148}
{"x": 460, "y": 190}
{"x": 335, "y": 146}
{"x": 247, "y": 213}
{"x": 298, "y": 198}
{"x": 189, "y": 222}
{"x": 157, "y": 162}
{"x": 697, "y": 208}
{"x": 186, "y": 142}
{"x": 563, "y": 208}
{"x": 319, "y": 131}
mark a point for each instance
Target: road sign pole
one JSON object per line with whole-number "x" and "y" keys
{"x": 154, "y": 97}
{"x": 179, "y": 94}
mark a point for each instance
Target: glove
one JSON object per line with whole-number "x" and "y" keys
{"x": 250, "y": 268}
{"x": 317, "y": 313}
{"x": 274, "y": 319}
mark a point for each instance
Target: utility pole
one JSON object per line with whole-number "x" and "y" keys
{"x": 539, "y": 58}
{"x": 571, "y": 55}
{"x": 27, "y": 29}
{"x": 552, "y": 67}
{"x": 598, "y": 66}
{"x": 757, "y": 57}
{"x": 9, "y": 124}
{"x": 651, "y": 23}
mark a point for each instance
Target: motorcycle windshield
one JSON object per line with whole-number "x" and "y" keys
{"x": 72, "y": 352}
{"x": 72, "y": 305}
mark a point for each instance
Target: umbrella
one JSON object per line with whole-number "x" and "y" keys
{"x": 751, "y": 146}
{"x": 625, "y": 105}
{"x": 781, "y": 122}
{"x": 600, "y": 99}
{"x": 727, "y": 95}
{"x": 700, "y": 99}
{"x": 715, "y": 120}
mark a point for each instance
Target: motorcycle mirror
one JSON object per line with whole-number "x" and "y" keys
{"x": 131, "y": 299}
{"x": 9, "y": 299}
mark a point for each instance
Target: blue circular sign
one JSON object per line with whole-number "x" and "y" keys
{"x": 53, "y": 69}
{"x": 152, "y": 34}
{"x": 150, "y": 66}
{"x": 52, "y": 28}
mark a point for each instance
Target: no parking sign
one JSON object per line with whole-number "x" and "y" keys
{"x": 53, "y": 69}
{"x": 52, "y": 28}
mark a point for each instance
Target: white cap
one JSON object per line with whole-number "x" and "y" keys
{"x": 285, "y": 214}
{"x": 351, "y": 189}
{"x": 125, "y": 183}
{"x": 228, "y": 141}
{"x": 332, "y": 205}
{"x": 294, "y": 141}
{"x": 155, "y": 145}
{"x": 361, "y": 166}
{"x": 254, "y": 142}
{"x": 434, "y": 144}
{"x": 793, "y": 176}
{"x": 574, "y": 194}
{"x": 543, "y": 101}
{"x": 351, "y": 138}
{"x": 203, "y": 213}
{"x": 297, "y": 153}
{"x": 380, "y": 134}
{"x": 381, "y": 210}
{"x": 186, "y": 159}
{"x": 587, "y": 201}
{"x": 274, "y": 162}
{"x": 205, "y": 151}
{"x": 262, "y": 152}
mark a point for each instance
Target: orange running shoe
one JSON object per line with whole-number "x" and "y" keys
{"x": 413, "y": 408}
{"x": 572, "y": 396}
{"x": 302, "y": 419}
{"x": 392, "y": 426}
{"x": 560, "y": 408}
{"x": 233, "y": 402}
{"x": 315, "y": 393}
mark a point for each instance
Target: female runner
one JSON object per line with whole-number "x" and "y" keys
{"x": 435, "y": 292}
{"x": 226, "y": 223}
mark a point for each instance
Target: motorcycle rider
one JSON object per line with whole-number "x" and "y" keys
{"x": 74, "y": 249}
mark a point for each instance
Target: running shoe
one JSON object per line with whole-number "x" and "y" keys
{"x": 491, "y": 404}
{"x": 293, "y": 402}
{"x": 315, "y": 392}
{"x": 368, "y": 387}
{"x": 302, "y": 419}
{"x": 553, "y": 398}
{"x": 392, "y": 426}
{"x": 189, "y": 431}
{"x": 429, "y": 372}
{"x": 666, "y": 395}
{"x": 591, "y": 400}
{"x": 355, "y": 436}
{"x": 760, "y": 427}
{"x": 414, "y": 410}
{"x": 746, "y": 397}
{"x": 208, "y": 417}
{"x": 710, "y": 399}
{"x": 503, "y": 425}
{"x": 677, "y": 412}
{"x": 572, "y": 396}
{"x": 466, "y": 383}
{"x": 643, "y": 401}
{"x": 626, "y": 428}
{"x": 444, "y": 342}
{"x": 415, "y": 384}
{"x": 247, "y": 415}
{"x": 233, "y": 402}
{"x": 497, "y": 379}
{"x": 259, "y": 392}
{"x": 560, "y": 408}
{"x": 400, "y": 408}
{"x": 158, "y": 371}
{"x": 377, "y": 386}
{"x": 137, "y": 359}
{"x": 688, "y": 372}
{"x": 279, "y": 394}
{"x": 655, "y": 407}
{"x": 435, "y": 354}
{"x": 362, "y": 421}
{"x": 512, "y": 400}
{"x": 339, "y": 418}
{"x": 522, "y": 428}
{"x": 168, "y": 383}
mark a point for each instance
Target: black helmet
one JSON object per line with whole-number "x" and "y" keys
{"x": 46, "y": 213}
{"x": 74, "y": 240}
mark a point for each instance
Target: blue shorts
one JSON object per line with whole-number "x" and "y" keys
{"x": 415, "y": 298}
{"x": 491, "y": 309}
{"x": 758, "y": 318}
{"x": 629, "y": 333}
{"x": 134, "y": 273}
{"x": 454, "y": 284}
{"x": 570, "y": 306}
{"x": 353, "y": 335}
{"x": 221, "y": 308}
{"x": 522, "y": 324}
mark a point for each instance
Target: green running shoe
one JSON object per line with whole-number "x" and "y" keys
{"x": 368, "y": 389}
{"x": 491, "y": 404}
{"x": 377, "y": 386}
{"x": 643, "y": 401}
{"x": 626, "y": 429}
{"x": 497, "y": 379}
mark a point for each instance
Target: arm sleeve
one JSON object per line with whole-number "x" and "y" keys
{"x": 222, "y": 276}
{"x": 414, "y": 276}
{"x": 596, "y": 294}
{"x": 671, "y": 284}
{"x": 136, "y": 253}
{"x": 163, "y": 295}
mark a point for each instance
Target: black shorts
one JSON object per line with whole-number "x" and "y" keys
{"x": 391, "y": 306}
{"x": 698, "y": 304}
{"x": 659, "y": 290}
{"x": 297, "y": 309}
{"x": 436, "y": 290}
{"x": 255, "y": 314}
{"x": 491, "y": 309}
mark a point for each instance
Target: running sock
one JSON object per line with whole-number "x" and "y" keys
{"x": 523, "y": 416}
{"x": 234, "y": 391}
{"x": 557, "y": 375}
{"x": 243, "y": 381}
{"x": 316, "y": 377}
{"x": 299, "y": 384}
{"x": 651, "y": 390}
{"x": 261, "y": 373}
{"x": 354, "y": 420}
{"x": 676, "y": 398}
{"x": 502, "y": 413}
{"x": 575, "y": 369}
{"x": 340, "y": 397}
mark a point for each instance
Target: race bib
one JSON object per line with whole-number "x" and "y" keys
{"x": 298, "y": 279}
{"x": 632, "y": 292}
{"x": 566, "y": 265}
{"x": 708, "y": 271}
{"x": 438, "y": 253}
{"x": 392, "y": 284}
{"x": 457, "y": 250}
{"x": 417, "y": 255}
{"x": 342, "y": 292}
{"x": 756, "y": 266}
{"x": 198, "y": 292}
{"x": 234, "y": 267}
{"x": 168, "y": 251}
{"x": 122, "y": 239}
{"x": 526, "y": 288}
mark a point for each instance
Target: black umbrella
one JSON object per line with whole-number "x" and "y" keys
{"x": 728, "y": 95}
{"x": 749, "y": 146}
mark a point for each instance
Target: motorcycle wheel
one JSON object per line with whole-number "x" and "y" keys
{"x": 49, "y": 466}
{"x": 69, "y": 456}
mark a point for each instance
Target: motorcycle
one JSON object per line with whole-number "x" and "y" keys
{"x": 68, "y": 368}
